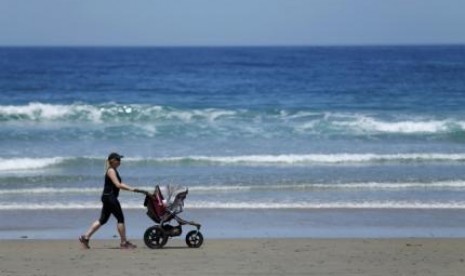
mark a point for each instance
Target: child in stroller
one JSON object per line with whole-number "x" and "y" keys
{"x": 162, "y": 207}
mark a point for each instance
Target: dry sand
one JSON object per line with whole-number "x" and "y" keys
{"x": 237, "y": 257}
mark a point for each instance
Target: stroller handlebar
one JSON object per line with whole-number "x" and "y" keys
{"x": 141, "y": 192}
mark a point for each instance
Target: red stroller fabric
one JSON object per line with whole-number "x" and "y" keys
{"x": 154, "y": 204}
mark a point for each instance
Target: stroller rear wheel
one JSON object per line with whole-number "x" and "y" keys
{"x": 155, "y": 237}
{"x": 194, "y": 239}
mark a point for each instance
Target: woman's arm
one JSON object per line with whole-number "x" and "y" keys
{"x": 112, "y": 174}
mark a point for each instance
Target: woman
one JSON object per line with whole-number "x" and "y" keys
{"x": 111, "y": 205}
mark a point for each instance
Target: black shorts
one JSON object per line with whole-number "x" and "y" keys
{"x": 111, "y": 206}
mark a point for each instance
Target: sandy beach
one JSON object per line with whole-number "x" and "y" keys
{"x": 237, "y": 257}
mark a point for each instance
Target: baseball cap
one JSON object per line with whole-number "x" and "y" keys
{"x": 114, "y": 155}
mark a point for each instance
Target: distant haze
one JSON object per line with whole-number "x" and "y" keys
{"x": 230, "y": 22}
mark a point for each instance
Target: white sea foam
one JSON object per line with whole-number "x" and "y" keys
{"x": 36, "y": 191}
{"x": 52, "y": 112}
{"x": 110, "y": 111}
{"x": 363, "y": 123}
{"x": 330, "y": 205}
{"x": 248, "y": 205}
{"x": 50, "y": 206}
{"x": 19, "y": 164}
{"x": 390, "y": 185}
{"x": 320, "y": 158}
{"x": 35, "y": 110}
{"x": 458, "y": 184}
{"x": 250, "y": 121}
{"x": 206, "y": 189}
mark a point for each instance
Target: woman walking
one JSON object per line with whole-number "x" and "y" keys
{"x": 111, "y": 205}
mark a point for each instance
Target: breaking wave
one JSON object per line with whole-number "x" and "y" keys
{"x": 249, "y": 205}
{"x": 111, "y": 112}
{"x": 156, "y": 119}
{"x": 318, "y": 158}
{"x": 208, "y": 189}
{"x": 21, "y": 164}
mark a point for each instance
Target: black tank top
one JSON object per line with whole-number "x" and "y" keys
{"x": 110, "y": 188}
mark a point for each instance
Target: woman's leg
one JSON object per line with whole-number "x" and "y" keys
{"x": 93, "y": 228}
{"x": 104, "y": 216}
{"x": 84, "y": 239}
{"x": 118, "y": 213}
{"x": 122, "y": 232}
{"x": 125, "y": 244}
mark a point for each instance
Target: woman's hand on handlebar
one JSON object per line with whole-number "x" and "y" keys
{"x": 141, "y": 191}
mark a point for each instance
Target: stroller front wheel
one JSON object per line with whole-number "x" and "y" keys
{"x": 194, "y": 239}
{"x": 155, "y": 237}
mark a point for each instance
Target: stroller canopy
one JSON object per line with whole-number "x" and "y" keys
{"x": 165, "y": 202}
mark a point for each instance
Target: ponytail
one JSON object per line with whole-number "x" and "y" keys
{"x": 107, "y": 166}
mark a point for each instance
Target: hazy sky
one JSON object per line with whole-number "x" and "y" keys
{"x": 231, "y": 22}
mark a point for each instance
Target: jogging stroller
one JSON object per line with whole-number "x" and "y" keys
{"x": 162, "y": 207}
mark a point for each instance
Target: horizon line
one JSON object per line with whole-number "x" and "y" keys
{"x": 235, "y": 45}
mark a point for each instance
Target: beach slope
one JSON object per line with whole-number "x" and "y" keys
{"x": 237, "y": 257}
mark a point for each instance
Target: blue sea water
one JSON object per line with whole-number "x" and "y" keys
{"x": 253, "y": 130}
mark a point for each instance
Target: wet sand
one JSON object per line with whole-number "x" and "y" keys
{"x": 237, "y": 257}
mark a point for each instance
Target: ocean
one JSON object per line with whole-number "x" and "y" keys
{"x": 271, "y": 141}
